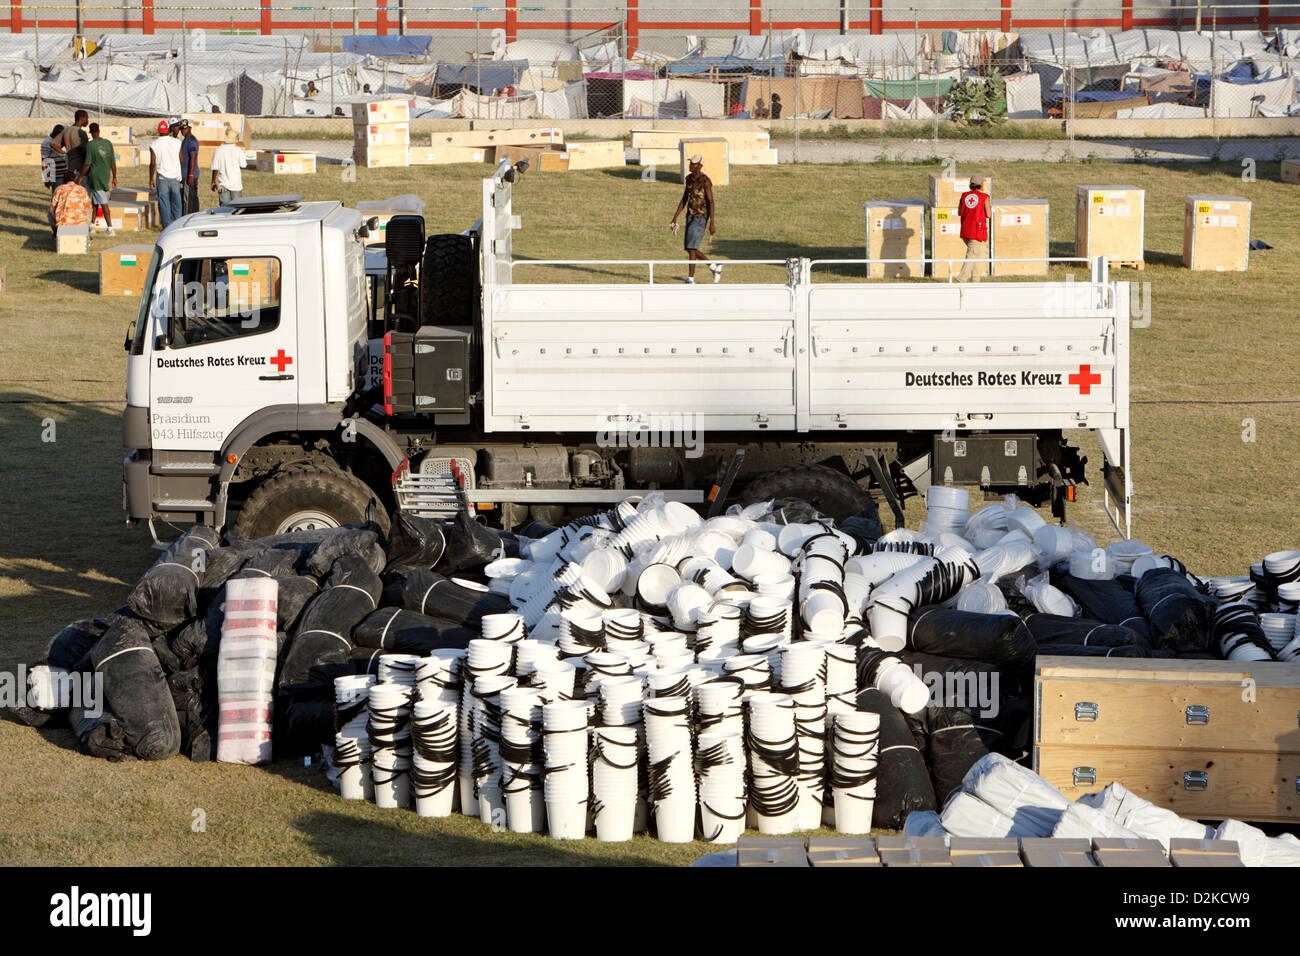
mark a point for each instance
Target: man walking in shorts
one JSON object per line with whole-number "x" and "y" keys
{"x": 697, "y": 200}
{"x": 99, "y": 175}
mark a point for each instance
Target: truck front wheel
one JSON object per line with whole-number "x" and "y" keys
{"x": 833, "y": 493}
{"x": 302, "y": 499}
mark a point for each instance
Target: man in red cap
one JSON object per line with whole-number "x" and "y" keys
{"x": 973, "y": 209}
{"x": 165, "y": 172}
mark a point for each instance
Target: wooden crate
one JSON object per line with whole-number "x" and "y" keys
{"x": 124, "y": 217}
{"x": 382, "y": 134}
{"x": 596, "y": 154}
{"x": 20, "y": 154}
{"x": 896, "y": 230}
{"x": 540, "y": 158}
{"x": 752, "y": 157}
{"x": 122, "y": 270}
{"x": 480, "y": 138}
{"x": 1018, "y": 230}
{"x": 72, "y": 240}
{"x": 1157, "y": 726}
{"x": 714, "y": 150}
{"x": 127, "y": 156}
{"x": 1216, "y": 233}
{"x": 283, "y": 162}
{"x": 1290, "y": 171}
{"x": 382, "y": 210}
{"x": 446, "y": 155}
{"x": 376, "y": 157}
{"x": 210, "y": 128}
{"x": 670, "y": 139}
{"x": 946, "y": 243}
{"x": 945, "y": 191}
{"x": 381, "y": 111}
{"x": 1110, "y": 221}
{"x": 117, "y": 135}
{"x": 654, "y": 156}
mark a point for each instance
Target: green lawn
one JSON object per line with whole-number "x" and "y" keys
{"x": 1220, "y": 350}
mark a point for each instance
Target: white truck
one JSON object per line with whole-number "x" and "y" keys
{"x": 251, "y": 404}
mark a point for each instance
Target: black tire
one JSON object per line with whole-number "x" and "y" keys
{"x": 449, "y": 281}
{"x": 318, "y": 497}
{"x": 832, "y": 493}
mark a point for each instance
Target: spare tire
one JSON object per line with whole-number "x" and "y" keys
{"x": 831, "y": 492}
{"x": 449, "y": 281}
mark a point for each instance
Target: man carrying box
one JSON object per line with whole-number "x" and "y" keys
{"x": 974, "y": 212}
{"x": 227, "y": 161}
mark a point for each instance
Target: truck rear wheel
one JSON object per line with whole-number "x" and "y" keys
{"x": 832, "y": 493}
{"x": 449, "y": 280}
{"x": 302, "y": 499}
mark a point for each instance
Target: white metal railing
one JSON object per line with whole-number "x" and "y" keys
{"x": 650, "y": 263}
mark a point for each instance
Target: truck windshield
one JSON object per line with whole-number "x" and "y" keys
{"x": 226, "y": 298}
{"x": 146, "y": 300}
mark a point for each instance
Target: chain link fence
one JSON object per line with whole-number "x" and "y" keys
{"x": 829, "y": 78}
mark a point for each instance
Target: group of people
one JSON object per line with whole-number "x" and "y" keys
{"x": 79, "y": 166}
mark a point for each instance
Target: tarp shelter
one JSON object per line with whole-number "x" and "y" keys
{"x": 1237, "y": 99}
{"x": 841, "y": 96}
{"x": 724, "y": 67}
{"x": 907, "y": 90}
{"x": 386, "y": 45}
{"x": 1024, "y": 96}
{"x": 481, "y": 75}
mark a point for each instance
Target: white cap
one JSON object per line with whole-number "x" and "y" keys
{"x": 697, "y": 158}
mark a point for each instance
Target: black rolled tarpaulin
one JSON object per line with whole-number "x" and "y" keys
{"x": 471, "y": 545}
{"x": 1056, "y": 629}
{"x": 1085, "y": 650}
{"x": 135, "y": 690}
{"x": 414, "y": 542}
{"x": 1106, "y": 601}
{"x": 998, "y": 639}
{"x": 1180, "y": 617}
{"x": 320, "y": 645}
{"x": 196, "y": 709}
{"x": 397, "y": 630}
{"x": 69, "y": 647}
{"x": 167, "y": 594}
{"x": 428, "y": 592}
{"x": 902, "y": 781}
{"x": 271, "y": 563}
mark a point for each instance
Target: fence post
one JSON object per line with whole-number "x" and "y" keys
{"x": 38, "y": 67}
{"x": 332, "y": 78}
{"x": 381, "y": 19}
{"x": 632, "y": 31}
{"x": 266, "y": 18}
{"x": 1006, "y": 15}
{"x": 755, "y": 18}
{"x": 512, "y": 21}
{"x": 146, "y": 17}
{"x": 185, "y": 66}
{"x": 1126, "y": 15}
{"x": 356, "y": 24}
{"x": 877, "y": 17}
{"x": 16, "y": 18}
{"x": 1263, "y": 16}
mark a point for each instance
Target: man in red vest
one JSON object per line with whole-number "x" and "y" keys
{"x": 974, "y": 211}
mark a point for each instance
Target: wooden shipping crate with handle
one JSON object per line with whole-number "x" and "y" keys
{"x": 541, "y": 159}
{"x": 447, "y": 155}
{"x": 1110, "y": 221}
{"x": 1290, "y": 171}
{"x": 1206, "y": 739}
{"x": 1018, "y": 230}
{"x": 286, "y": 161}
{"x": 713, "y": 150}
{"x": 895, "y": 230}
{"x": 1216, "y": 233}
{"x": 122, "y": 269}
{"x": 480, "y": 138}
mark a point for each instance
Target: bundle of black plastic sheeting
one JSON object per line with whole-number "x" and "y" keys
{"x": 271, "y": 563}
{"x": 998, "y": 639}
{"x": 399, "y": 631}
{"x": 902, "y": 781}
{"x": 316, "y": 550}
{"x": 1106, "y": 601}
{"x": 864, "y": 528}
{"x": 428, "y": 592}
{"x": 1087, "y": 650}
{"x": 961, "y": 723}
{"x": 1057, "y": 629}
{"x": 1180, "y": 617}
{"x": 99, "y": 732}
{"x": 167, "y": 594}
{"x": 68, "y": 650}
{"x": 196, "y": 711}
{"x": 413, "y": 542}
{"x": 472, "y": 545}
{"x": 1017, "y": 603}
{"x": 135, "y": 689}
{"x": 321, "y": 642}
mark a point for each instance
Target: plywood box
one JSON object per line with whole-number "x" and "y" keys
{"x": 480, "y": 138}
{"x": 769, "y": 851}
{"x": 713, "y": 150}
{"x": 1130, "y": 858}
{"x": 124, "y": 217}
{"x": 1206, "y": 750}
{"x": 648, "y": 156}
{"x": 904, "y": 842}
{"x": 540, "y": 158}
{"x": 446, "y": 155}
{"x": 1204, "y": 859}
{"x": 915, "y": 858}
{"x": 1290, "y": 171}
{"x": 381, "y": 111}
{"x": 1110, "y": 221}
{"x": 122, "y": 270}
{"x": 1216, "y": 233}
{"x": 972, "y": 846}
{"x": 72, "y": 240}
{"x": 946, "y": 243}
{"x": 211, "y": 128}
{"x": 132, "y": 194}
{"x": 206, "y": 152}
{"x": 376, "y": 157}
{"x": 20, "y": 154}
{"x": 285, "y": 161}
{"x": 117, "y": 135}
{"x": 596, "y": 154}
{"x": 671, "y": 139}
{"x": 126, "y": 156}
{"x": 1018, "y": 230}
{"x": 945, "y": 191}
{"x": 382, "y": 134}
{"x": 896, "y": 230}
{"x": 842, "y": 851}
{"x": 1048, "y": 856}
{"x": 752, "y": 157}
{"x": 994, "y": 858}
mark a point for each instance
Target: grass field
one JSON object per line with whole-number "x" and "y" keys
{"x": 1219, "y": 355}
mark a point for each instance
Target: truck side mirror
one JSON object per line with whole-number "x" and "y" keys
{"x": 130, "y": 334}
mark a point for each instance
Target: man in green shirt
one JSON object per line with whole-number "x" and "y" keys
{"x": 99, "y": 175}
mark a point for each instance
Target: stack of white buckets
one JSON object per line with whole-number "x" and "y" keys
{"x": 660, "y": 672}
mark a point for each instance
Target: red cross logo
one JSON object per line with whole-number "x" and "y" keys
{"x": 1085, "y": 378}
{"x": 280, "y": 361}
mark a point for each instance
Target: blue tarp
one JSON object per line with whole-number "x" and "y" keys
{"x": 386, "y": 46}
{"x": 692, "y": 66}
{"x": 481, "y": 74}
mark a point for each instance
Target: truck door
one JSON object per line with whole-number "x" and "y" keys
{"x": 227, "y": 344}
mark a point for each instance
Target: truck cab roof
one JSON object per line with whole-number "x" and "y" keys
{"x": 258, "y": 212}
